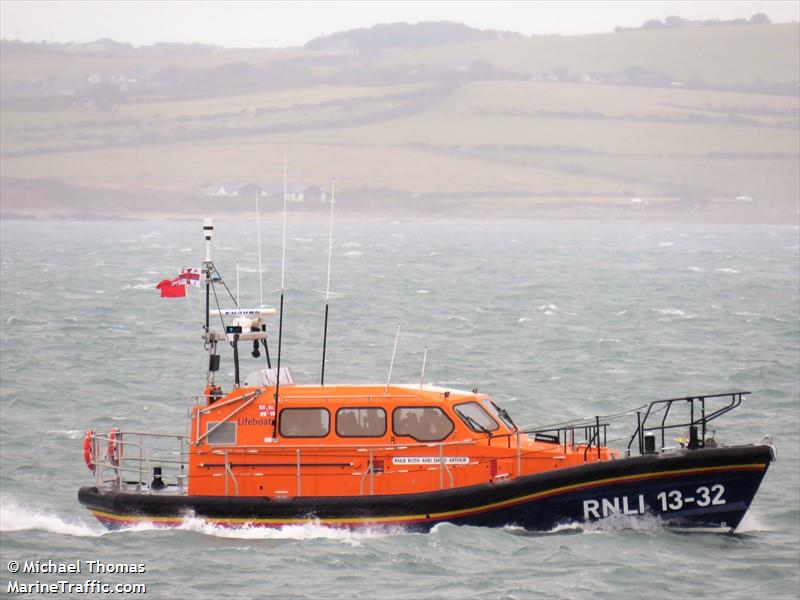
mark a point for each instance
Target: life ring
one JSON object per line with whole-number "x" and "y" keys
{"x": 88, "y": 449}
{"x": 114, "y": 447}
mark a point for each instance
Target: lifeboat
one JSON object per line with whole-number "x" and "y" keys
{"x": 264, "y": 450}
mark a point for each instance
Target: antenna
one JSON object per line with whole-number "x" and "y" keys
{"x": 391, "y": 364}
{"x": 422, "y": 375}
{"x": 208, "y": 230}
{"x": 280, "y": 317}
{"x": 237, "y": 276}
{"x": 327, "y": 286}
{"x": 260, "y": 269}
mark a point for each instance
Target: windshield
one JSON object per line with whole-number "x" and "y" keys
{"x": 500, "y": 413}
{"x": 476, "y": 418}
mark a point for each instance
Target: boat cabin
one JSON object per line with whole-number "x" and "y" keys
{"x": 344, "y": 440}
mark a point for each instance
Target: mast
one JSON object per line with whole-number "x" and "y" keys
{"x": 208, "y": 230}
{"x": 280, "y": 317}
{"x": 327, "y": 287}
{"x": 211, "y": 345}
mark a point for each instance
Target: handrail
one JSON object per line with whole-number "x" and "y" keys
{"x": 235, "y": 411}
{"x": 735, "y": 400}
{"x": 120, "y": 461}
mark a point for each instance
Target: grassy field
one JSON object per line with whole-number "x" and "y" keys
{"x": 723, "y": 55}
{"x": 24, "y": 66}
{"x": 470, "y": 142}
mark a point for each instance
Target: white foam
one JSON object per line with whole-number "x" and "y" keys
{"x": 307, "y": 531}
{"x": 675, "y": 312}
{"x": 523, "y": 320}
{"x": 70, "y": 434}
{"x": 727, "y": 271}
{"x": 696, "y": 269}
{"x": 16, "y": 518}
{"x": 666, "y": 244}
{"x": 423, "y": 291}
{"x": 614, "y": 522}
{"x": 353, "y": 254}
{"x": 750, "y": 523}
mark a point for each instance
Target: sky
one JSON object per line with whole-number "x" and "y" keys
{"x": 279, "y": 24}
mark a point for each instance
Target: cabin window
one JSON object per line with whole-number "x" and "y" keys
{"x": 305, "y": 422}
{"x": 423, "y": 423}
{"x": 223, "y": 434}
{"x": 360, "y": 422}
{"x": 475, "y": 417}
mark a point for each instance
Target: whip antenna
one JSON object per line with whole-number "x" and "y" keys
{"x": 280, "y": 318}
{"x": 422, "y": 375}
{"x": 327, "y": 286}
{"x": 391, "y": 364}
{"x": 260, "y": 269}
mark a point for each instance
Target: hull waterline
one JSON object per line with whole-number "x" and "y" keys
{"x": 705, "y": 488}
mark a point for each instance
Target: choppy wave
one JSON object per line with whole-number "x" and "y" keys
{"x": 616, "y": 522}
{"x": 14, "y": 518}
{"x": 306, "y": 531}
{"x": 70, "y": 434}
{"x": 672, "y": 312}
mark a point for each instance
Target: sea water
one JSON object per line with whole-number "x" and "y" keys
{"x": 556, "y": 320}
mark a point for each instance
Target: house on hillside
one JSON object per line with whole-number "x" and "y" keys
{"x": 295, "y": 192}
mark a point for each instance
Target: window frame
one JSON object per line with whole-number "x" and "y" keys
{"x": 499, "y": 410}
{"x": 280, "y": 422}
{"x": 210, "y": 424}
{"x": 385, "y": 421}
{"x": 486, "y": 412}
{"x": 439, "y": 408}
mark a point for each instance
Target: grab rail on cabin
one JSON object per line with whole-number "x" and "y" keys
{"x": 697, "y": 425}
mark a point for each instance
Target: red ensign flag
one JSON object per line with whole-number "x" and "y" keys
{"x": 172, "y": 288}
